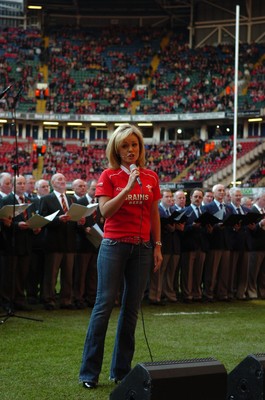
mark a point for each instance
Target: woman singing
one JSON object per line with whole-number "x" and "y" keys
{"x": 128, "y": 196}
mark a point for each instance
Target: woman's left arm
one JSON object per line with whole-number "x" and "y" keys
{"x": 156, "y": 235}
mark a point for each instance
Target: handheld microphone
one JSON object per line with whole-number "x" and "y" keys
{"x": 132, "y": 167}
{"x": 5, "y": 91}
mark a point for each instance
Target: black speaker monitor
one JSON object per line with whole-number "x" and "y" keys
{"x": 195, "y": 379}
{"x": 246, "y": 381}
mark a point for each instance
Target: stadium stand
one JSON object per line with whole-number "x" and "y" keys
{"x": 98, "y": 71}
{"x": 128, "y": 70}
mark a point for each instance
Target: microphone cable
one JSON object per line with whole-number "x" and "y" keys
{"x": 139, "y": 265}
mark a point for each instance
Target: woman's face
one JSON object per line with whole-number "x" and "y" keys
{"x": 129, "y": 150}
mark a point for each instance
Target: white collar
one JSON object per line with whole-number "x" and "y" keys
{"x": 58, "y": 194}
{"x": 125, "y": 169}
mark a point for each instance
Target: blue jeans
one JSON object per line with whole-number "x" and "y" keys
{"x": 116, "y": 261}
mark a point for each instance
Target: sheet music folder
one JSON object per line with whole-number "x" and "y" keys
{"x": 175, "y": 217}
{"x": 244, "y": 219}
{"x": 208, "y": 219}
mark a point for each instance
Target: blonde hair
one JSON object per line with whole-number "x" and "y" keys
{"x": 121, "y": 133}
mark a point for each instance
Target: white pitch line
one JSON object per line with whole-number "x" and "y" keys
{"x": 189, "y": 313}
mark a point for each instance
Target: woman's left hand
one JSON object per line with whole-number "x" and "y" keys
{"x": 157, "y": 258}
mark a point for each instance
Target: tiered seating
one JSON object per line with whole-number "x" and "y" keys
{"x": 75, "y": 161}
{"x": 169, "y": 160}
{"x": 256, "y": 176}
{"x": 20, "y": 157}
{"x": 190, "y": 80}
{"x": 216, "y": 160}
{"x": 20, "y": 54}
{"x": 97, "y": 71}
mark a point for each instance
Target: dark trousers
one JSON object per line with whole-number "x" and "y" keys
{"x": 216, "y": 274}
{"x": 85, "y": 277}
{"x": 53, "y": 263}
{"x": 15, "y": 274}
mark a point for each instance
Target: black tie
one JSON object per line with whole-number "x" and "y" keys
{"x": 198, "y": 211}
{"x": 167, "y": 212}
{"x": 221, "y": 206}
{"x": 238, "y": 210}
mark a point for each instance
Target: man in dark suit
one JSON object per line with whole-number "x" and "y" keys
{"x": 36, "y": 269}
{"x": 5, "y": 189}
{"x": 241, "y": 243}
{"x": 207, "y": 197}
{"x": 79, "y": 187}
{"x": 5, "y": 184}
{"x": 179, "y": 200}
{"x": 60, "y": 245}
{"x": 30, "y": 186}
{"x": 194, "y": 246}
{"x": 85, "y": 271}
{"x": 162, "y": 281}
{"x": 218, "y": 257}
{"x": 256, "y": 281}
{"x": 18, "y": 247}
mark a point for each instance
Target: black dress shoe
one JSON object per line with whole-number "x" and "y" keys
{"x": 225, "y": 299}
{"x": 89, "y": 385}
{"x": 197, "y": 300}
{"x": 172, "y": 301}
{"x": 49, "y": 307}
{"x": 8, "y": 308}
{"x": 157, "y": 303}
{"x": 22, "y": 307}
{"x": 187, "y": 301}
{"x": 79, "y": 305}
{"x": 67, "y": 307}
{"x": 208, "y": 300}
{"x": 33, "y": 300}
